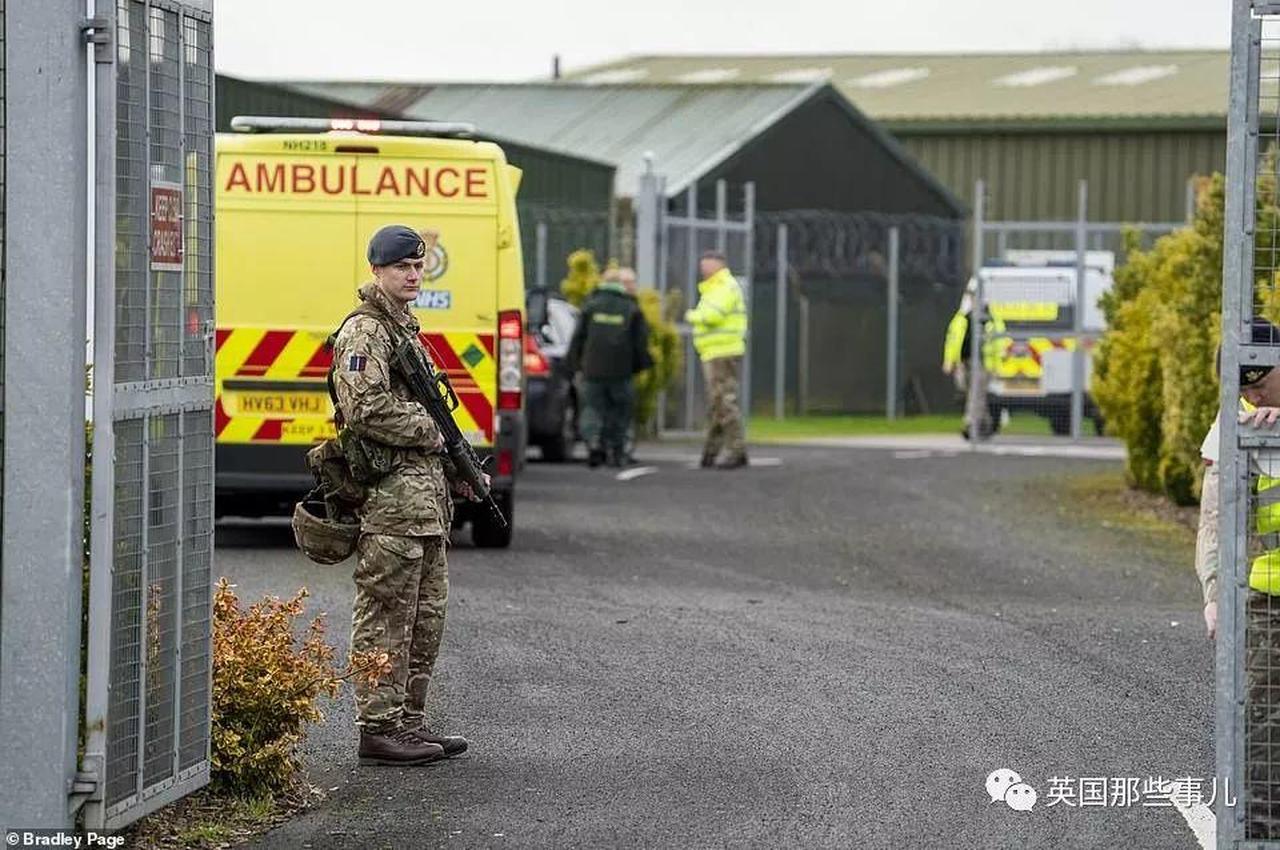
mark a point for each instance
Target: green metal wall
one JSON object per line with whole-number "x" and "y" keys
{"x": 1138, "y": 175}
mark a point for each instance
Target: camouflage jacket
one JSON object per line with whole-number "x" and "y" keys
{"x": 413, "y": 499}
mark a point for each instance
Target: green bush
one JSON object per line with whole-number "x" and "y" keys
{"x": 667, "y": 353}
{"x": 584, "y": 275}
{"x": 1155, "y": 375}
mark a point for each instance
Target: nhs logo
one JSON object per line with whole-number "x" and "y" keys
{"x": 434, "y": 299}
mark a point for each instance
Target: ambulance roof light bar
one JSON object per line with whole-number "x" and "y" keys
{"x": 274, "y": 124}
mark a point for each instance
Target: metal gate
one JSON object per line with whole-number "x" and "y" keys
{"x": 671, "y": 234}
{"x": 149, "y": 665}
{"x": 1248, "y": 650}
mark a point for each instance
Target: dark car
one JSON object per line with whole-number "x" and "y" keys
{"x": 551, "y": 406}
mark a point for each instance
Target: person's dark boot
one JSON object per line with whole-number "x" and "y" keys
{"x": 708, "y": 459}
{"x": 397, "y": 747}
{"x": 595, "y": 457}
{"x": 452, "y": 745}
{"x": 734, "y": 462}
{"x": 615, "y": 459}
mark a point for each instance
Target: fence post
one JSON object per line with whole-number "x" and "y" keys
{"x": 690, "y": 293}
{"x": 541, "y": 256}
{"x": 646, "y": 239}
{"x": 891, "y": 355}
{"x": 780, "y": 332}
{"x": 41, "y": 560}
{"x": 748, "y": 274}
{"x": 977, "y": 397}
{"x": 1077, "y": 356}
{"x": 803, "y": 358}
{"x": 1234, "y": 498}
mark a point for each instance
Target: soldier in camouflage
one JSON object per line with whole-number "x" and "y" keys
{"x": 1260, "y": 387}
{"x": 719, "y": 325}
{"x": 402, "y": 576}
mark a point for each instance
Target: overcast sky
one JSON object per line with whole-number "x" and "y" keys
{"x": 510, "y": 40}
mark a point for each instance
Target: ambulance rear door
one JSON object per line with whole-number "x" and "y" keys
{"x": 286, "y": 237}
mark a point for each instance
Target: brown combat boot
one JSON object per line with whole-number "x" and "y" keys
{"x": 453, "y": 745}
{"x": 397, "y": 747}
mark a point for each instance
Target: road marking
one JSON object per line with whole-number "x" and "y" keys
{"x": 1199, "y": 817}
{"x": 765, "y": 461}
{"x": 628, "y": 474}
{"x": 913, "y": 455}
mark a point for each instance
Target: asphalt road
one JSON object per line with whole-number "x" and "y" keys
{"x": 834, "y": 651}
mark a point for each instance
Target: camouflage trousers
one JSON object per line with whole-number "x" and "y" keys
{"x": 1262, "y": 717}
{"x": 402, "y": 588}
{"x": 724, "y": 416}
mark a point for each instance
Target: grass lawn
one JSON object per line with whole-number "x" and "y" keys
{"x": 766, "y": 428}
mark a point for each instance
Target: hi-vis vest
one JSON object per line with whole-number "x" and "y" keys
{"x": 992, "y": 341}
{"x": 1264, "y": 572}
{"x": 720, "y": 319}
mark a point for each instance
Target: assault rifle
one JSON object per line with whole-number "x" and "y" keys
{"x": 432, "y": 390}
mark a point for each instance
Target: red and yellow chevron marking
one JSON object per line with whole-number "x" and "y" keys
{"x": 297, "y": 355}
{"x": 468, "y": 360}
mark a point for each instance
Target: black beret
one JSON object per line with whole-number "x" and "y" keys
{"x": 394, "y": 243}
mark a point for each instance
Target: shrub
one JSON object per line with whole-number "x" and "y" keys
{"x": 1155, "y": 375}
{"x": 667, "y": 353}
{"x": 266, "y": 681}
{"x": 584, "y": 275}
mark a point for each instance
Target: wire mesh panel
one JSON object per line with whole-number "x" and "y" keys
{"x": 124, "y": 711}
{"x": 158, "y": 546}
{"x": 197, "y": 299}
{"x": 167, "y": 170}
{"x": 197, "y": 578}
{"x": 163, "y": 515}
{"x": 132, "y": 196}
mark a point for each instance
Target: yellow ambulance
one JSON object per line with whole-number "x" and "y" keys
{"x": 296, "y": 203}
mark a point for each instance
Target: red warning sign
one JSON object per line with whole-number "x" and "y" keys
{"x": 166, "y": 226}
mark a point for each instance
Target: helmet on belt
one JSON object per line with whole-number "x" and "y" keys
{"x": 321, "y": 539}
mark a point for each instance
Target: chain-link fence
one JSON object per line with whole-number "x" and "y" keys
{"x": 150, "y": 609}
{"x": 549, "y": 233}
{"x": 849, "y": 312}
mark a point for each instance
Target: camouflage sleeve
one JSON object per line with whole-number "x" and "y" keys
{"x": 1207, "y": 535}
{"x": 362, "y": 381}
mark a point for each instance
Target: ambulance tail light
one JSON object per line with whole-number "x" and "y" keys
{"x": 535, "y": 362}
{"x": 510, "y": 360}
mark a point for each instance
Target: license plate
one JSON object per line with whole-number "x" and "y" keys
{"x": 1020, "y": 386}
{"x": 282, "y": 405}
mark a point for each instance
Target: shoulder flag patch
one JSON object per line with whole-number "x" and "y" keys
{"x": 356, "y": 363}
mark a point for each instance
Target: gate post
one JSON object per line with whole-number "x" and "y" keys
{"x": 41, "y": 561}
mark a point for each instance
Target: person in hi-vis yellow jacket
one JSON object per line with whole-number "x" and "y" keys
{"x": 719, "y": 324}
{"x": 956, "y": 348}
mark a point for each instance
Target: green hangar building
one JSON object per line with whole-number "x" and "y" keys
{"x": 1135, "y": 124}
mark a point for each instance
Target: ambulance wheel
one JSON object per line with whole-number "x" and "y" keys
{"x": 485, "y": 531}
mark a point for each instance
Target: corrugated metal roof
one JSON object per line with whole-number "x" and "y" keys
{"x": 1158, "y": 84}
{"x": 688, "y": 128}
